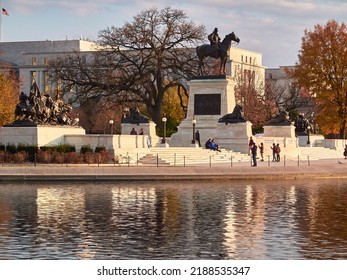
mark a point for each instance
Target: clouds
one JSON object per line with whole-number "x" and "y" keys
{"x": 271, "y": 27}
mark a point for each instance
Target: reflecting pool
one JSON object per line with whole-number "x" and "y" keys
{"x": 174, "y": 220}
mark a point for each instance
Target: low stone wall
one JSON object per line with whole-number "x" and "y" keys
{"x": 112, "y": 142}
{"x": 289, "y": 146}
{"x": 39, "y": 135}
{"x": 336, "y": 144}
{"x": 75, "y": 136}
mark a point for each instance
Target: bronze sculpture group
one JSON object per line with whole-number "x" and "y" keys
{"x": 42, "y": 109}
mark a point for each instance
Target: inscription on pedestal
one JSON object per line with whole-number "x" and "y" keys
{"x": 207, "y": 104}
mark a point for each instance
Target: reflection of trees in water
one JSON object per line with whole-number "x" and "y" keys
{"x": 327, "y": 221}
{"x": 18, "y": 209}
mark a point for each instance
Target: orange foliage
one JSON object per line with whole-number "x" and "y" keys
{"x": 322, "y": 69}
{"x": 9, "y": 93}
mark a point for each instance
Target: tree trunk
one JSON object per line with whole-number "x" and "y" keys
{"x": 342, "y": 129}
{"x": 155, "y": 113}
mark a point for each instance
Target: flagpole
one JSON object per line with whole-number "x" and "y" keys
{"x": 1, "y": 21}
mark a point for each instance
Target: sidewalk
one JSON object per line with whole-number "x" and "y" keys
{"x": 319, "y": 169}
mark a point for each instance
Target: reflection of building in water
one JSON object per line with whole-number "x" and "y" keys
{"x": 245, "y": 222}
{"x": 156, "y": 211}
{"x": 208, "y": 218}
{"x": 60, "y": 219}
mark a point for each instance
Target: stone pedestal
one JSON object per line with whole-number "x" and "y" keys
{"x": 163, "y": 145}
{"x": 279, "y": 131}
{"x": 315, "y": 140}
{"x": 210, "y": 98}
{"x": 234, "y": 136}
{"x": 148, "y": 128}
{"x": 40, "y": 135}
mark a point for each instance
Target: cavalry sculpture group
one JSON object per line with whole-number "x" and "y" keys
{"x": 42, "y": 109}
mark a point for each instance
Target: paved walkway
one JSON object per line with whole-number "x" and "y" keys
{"x": 319, "y": 169}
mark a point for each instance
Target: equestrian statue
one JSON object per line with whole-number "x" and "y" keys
{"x": 216, "y": 49}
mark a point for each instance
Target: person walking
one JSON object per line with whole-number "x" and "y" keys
{"x": 250, "y": 144}
{"x": 278, "y": 152}
{"x": 254, "y": 154}
{"x": 261, "y": 150}
{"x": 197, "y": 137}
{"x": 273, "y": 148}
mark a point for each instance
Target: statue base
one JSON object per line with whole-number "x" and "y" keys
{"x": 148, "y": 129}
{"x": 234, "y": 136}
{"x": 210, "y": 98}
{"x": 40, "y": 135}
{"x": 279, "y": 131}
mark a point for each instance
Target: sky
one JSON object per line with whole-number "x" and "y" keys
{"x": 271, "y": 27}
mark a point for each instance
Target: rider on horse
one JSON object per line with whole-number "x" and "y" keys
{"x": 214, "y": 37}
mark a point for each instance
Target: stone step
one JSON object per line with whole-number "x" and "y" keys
{"x": 152, "y": 160}
{"x": 316, "y": 153}
{"x": 191, "y": 155}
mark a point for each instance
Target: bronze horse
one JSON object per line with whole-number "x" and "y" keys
{"x": 214, "y": 51}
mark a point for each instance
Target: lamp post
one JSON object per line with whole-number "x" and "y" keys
{"x": 125, "y": 112}
{"x": 194, "y": 136}
{"x": 164, "y": 119}
{"x": 111, "y": 126}
{"x": 308, "y": 135}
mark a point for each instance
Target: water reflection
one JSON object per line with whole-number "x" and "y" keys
{"x": 161, "y": 220}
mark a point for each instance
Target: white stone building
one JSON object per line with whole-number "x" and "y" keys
{"x": 30, "y": 58}
{"x": 245, "y": 60}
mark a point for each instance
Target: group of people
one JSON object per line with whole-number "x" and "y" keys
{"x": 276, "y": 152}
{"x": 253, "y": 148}
{"x": 134, "y": 132}
{"x": 210, "y": 144}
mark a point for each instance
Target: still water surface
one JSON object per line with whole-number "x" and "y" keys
{"x": 174, "y": 220}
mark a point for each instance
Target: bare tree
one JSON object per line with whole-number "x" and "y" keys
{"x": 250, "y": 93}
{"x": 135, "y": 63}
{"x": 287, "y": 95}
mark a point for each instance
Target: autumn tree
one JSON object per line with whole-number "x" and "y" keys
{"x": 322, "y": 70}
{"x": 174, "y": 108}
{"x": 9, "y": 88}
{"x": 250, "y": 93}
{"x": 95, "y": 114}
{"x": 138, "y": 62}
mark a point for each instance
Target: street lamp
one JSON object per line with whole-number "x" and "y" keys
{"x": 194, "y": 136}
{"x": 111, "y": 126}
{"x": 125, "y": 112}
{"x": 164, "y": 119}
{"x": 308, "y": 135}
